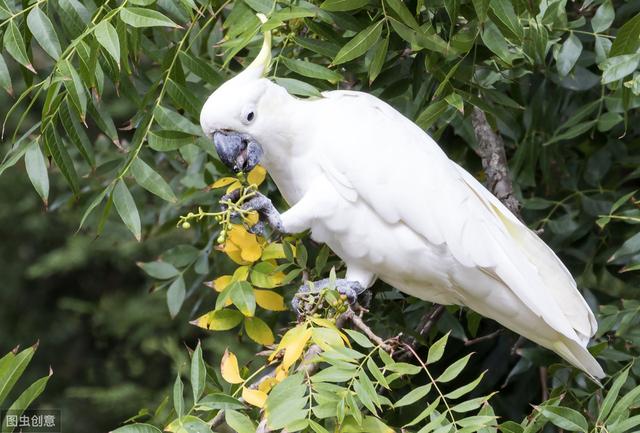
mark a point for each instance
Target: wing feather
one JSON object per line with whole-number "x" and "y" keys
{"x": 444, "y": 204}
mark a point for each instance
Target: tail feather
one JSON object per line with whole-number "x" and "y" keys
{"x": 580, "y": 357}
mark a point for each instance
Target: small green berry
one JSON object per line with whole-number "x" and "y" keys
{"x": 186, "y": 225}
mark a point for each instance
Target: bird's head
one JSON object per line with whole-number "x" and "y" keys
{"x": 237, "y": 112}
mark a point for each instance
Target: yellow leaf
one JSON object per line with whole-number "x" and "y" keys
{"x": 223, "y": 181}
{"x": 269, "y": 300}
{"x": 220, "y": 283}
{"x": 293, "y": 343}
{"x": 229, "y": 368}
{"x": 234, "y": 186}
{"x": 234, "y": 252}
{"x": 254, "y": 397}
{"x": 266, "y": 384}
{"x": 258, "y": 331}
{"x": 250, "y": 248}
{"x": 252, "y": 218}
{"x": 281, "y": 373}
{"x": 273, "y": 251}
{"x": 327, "y": 338}
{"x": 257, "y": 175}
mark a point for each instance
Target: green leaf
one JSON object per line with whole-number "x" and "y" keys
{"x": 40, "y": 26}
{"x": 12, "y": 369}
{"x": 107, "y": 36}
{"x": 425, "y": 413}
{"x": 27, "y": 397}
{"x": 242, "y": 296}
{"x": 615, "y": 68}
{"x": 311, "y": 70}
{"x": 495, "y": 41}
{"x": 603, "y": 17}
{"x": 74, "y": 86}
{"x": 137, "y": 428}
{"x": 343, "y": 5}
{"x": 239, "y": 422}
{"x": 565, "y": 418}
{"x": 286, "y": 403}
{"x": 198, "y": 373}
{"x": 60, "y": 156}
{"x": 176, "y": 295}
{"x": 297, "y": 87}
{"x": 429, "y": 116}
{"x": 507, "y": 19}
{"x": 178, "y": 396}
{"x": 174, "y": 121}
{"x": 453, "y": 370}
{"x": 37, "y": 170}
{"x": 184, "y": 98}
{"x": 104, "y": 120}
{"x": 572, "y": 132}
{"x": 465, "y": 389}
{"x": 159, "y": 270}
{"x": 95, "y": 202}
{"x": 359, "y": 338}
{"x": 164, "y": 141}
{"x": 359, "y": 44}
{"x": 482, "y": 9}
{"x": 422, "y": 39}
{"x": 569, "y": 54}
{"x": 628, "y": 38}
{"x": 413, "y": 396}
{"x": 620, "y": 408}
{"x": 258, "y": 331}
{"x": 378, "y": 58}
{"x": 14, "y": 44}
{"x": 219, "y": 320}
{"x": 436, "y": 350}
{"x": 218, "y": 401}
{"x": 5, "y": 76}
{"x": 141, "y": 17}
{"x": 147, "y": 178}
{"x": 76, "y": 133}
{"x": 614, "y": 391}
{"x": 201, "y": 69}
{"x": 399, "y": 7}
{"x": 126, "y": 208}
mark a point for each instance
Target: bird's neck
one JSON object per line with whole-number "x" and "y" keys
{"x": 287, "y": 144}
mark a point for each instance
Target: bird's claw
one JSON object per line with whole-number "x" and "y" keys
{"x": 267, "y": 213}
{"x": 304, "y": 301}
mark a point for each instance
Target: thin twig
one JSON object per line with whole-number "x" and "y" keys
{"x": 357, "y": 322}
{"x": 483, "y": 338}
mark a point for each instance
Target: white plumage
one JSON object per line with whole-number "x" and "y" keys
{"x": 382, "y": 194}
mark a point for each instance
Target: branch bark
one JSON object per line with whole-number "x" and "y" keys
{"x": 494, "y": 161}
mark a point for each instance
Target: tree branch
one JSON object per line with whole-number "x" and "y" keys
{"x": 494, "y": 161}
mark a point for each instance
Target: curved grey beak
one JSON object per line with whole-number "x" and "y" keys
{"x": 239, "y": 152}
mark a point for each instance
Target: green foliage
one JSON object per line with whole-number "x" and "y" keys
{"x": 107, "y": 97}
{"x": 12, "y": 367}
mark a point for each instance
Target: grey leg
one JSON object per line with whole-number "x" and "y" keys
{"x": 351, "y": 289}
{"x": 266, "y": 210}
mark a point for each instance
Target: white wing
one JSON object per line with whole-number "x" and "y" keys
{"x": 402, "y": 174}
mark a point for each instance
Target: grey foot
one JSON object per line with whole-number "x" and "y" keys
{"x": 267, "y": 211}
{"x": 351, "y": 289}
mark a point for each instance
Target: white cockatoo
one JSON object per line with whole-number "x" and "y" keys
{"x": 381, "y": 193}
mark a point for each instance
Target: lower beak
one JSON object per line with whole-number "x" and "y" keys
{"x": 238, "y": 151}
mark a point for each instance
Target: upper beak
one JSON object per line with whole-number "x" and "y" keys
{"x": 240, "y": 152}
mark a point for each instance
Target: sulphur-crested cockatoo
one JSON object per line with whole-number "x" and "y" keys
{"x": 382, "y": 194}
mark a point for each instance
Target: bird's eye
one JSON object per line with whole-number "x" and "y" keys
{"x": 248, "y": 115}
